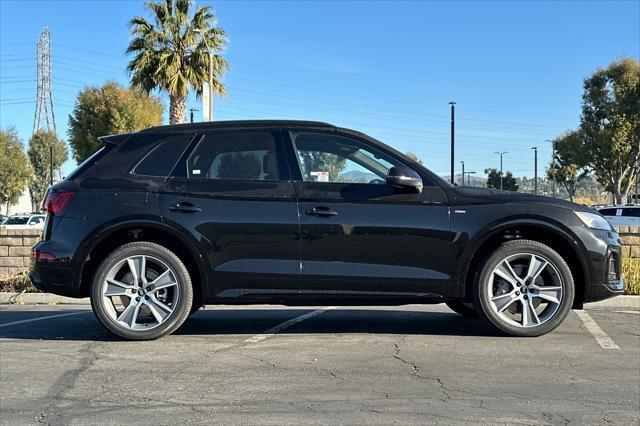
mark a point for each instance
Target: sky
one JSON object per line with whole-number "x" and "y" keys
{"x": 388, "y": 69}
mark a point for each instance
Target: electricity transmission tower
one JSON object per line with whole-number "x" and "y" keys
{"x": 44, "y": 118}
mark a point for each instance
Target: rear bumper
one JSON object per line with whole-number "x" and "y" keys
{"x": 56, "y": 280}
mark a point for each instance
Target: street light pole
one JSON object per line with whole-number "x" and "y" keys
{"x": 462, "y": 162}
{"x": 553, "y": 165}
{"x": 535, "y": 170}
{"x": 501, "y": 154}
{"x": 191, "y": 111}
{"x": 469, "y": 177}
{"x": 453, "y": 123}
{"x": 204, "y": 39}
{"x": 51, "y": 164}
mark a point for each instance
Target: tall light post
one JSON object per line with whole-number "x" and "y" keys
{"x": 535, "y": 170}
{"x": 469, "y": 177}
{"x": 553, "y": 164}
{"x": 206, "y": 43}
{"x": 501, "y": 154}
{"x": 191, "y": 111}
{"x": 453, "y": 125}
{"x": 462, "y": 162}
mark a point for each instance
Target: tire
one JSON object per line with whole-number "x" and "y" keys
{"x": 463, "y": 308}
{"x": 155, "y": 305}
{"x": 507, "y": 297}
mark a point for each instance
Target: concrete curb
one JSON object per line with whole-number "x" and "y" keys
{"x": 41, "y": 299}
{"x": 618, "y": 302}
{"x": 625, "y": 301}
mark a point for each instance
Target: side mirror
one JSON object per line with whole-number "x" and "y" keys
{"x": 404, "y": 177}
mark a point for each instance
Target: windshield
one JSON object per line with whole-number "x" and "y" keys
{"x": 17, "y": 220}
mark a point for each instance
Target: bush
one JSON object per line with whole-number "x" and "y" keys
{"x": 631, "y": 274}
{"x": 16, "y": 283}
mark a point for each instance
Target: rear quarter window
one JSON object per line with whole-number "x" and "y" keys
{"x": 161, "y": 160}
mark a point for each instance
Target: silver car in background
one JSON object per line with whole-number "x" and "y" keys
{"x": 623, "y": 215}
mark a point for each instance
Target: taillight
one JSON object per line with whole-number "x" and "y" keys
{"x": 42, "y": 255}
{"x": 56, "y": 203}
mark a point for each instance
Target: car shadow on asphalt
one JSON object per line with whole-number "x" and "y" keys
{"x": 223, "y": 321}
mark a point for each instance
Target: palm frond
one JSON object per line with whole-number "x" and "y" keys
{"x": 172, "y": 53}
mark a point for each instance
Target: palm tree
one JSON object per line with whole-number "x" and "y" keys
{"x": 172, "y": 54}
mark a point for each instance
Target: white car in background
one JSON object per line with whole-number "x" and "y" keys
{"x": 22, "y": 221}
{"x": 627, "y": 215}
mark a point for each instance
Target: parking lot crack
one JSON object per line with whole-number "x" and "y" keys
{"x": 415, "y": 371}
{"x": 67, "y": 381}
{"x": 554, "y": 417}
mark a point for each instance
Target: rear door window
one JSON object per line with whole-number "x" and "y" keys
{"x": 236, "y": 156}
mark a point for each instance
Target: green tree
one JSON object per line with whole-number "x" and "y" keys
{"x": 41, "y": 145}
{"x": 567, "y": 167}
{"x": 106, "y": 110}
{"x": 509, "y": 183}
{"x": 413, "y": 156}
{"x": 15, "y": 173}
{"x": 173, "y": 53}
{"x": 610, "y": 126}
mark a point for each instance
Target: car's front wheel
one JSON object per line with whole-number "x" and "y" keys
{"x": 524, "y": 289}
{"x": 142, "y": 291}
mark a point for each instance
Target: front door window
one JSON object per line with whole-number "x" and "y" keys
{"x": 331, "y": 158}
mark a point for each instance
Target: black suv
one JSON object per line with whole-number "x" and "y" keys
{"x": 158, "y": 223}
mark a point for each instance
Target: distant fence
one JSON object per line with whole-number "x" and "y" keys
{"x": 15, "y": 247}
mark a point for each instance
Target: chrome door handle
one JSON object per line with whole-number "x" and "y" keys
{"x": 321, "y": 211}
{"x": 185, "y": 207}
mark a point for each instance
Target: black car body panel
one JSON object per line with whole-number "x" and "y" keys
{"x": 282, "y": 239}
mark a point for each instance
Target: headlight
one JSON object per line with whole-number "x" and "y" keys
{"x": 594, "y": 221}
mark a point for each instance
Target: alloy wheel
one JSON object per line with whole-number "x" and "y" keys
{"x": 525, "y": 290}
{"x": 140, "y": 292}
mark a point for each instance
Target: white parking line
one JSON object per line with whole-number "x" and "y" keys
{"x": 42, "y": 318}
{"x": 284, "y": 325}
{"x": 629, "y": 312}
{"x": 592, "y": 327}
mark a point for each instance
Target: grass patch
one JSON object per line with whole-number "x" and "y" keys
{"x": 631, "y": 274}
{"x": 16, "y": 283}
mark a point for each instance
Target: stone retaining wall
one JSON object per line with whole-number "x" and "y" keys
{"x": 15, "y": 247}
{"x": 630, "y": 237}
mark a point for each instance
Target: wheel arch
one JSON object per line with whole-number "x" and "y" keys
{"x": 106, "y": 240}
{"x": 555, "y": 236}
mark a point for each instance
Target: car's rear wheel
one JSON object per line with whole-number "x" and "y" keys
{"x": 142, "y": 291}
{"x": 463, "y": 308}
{"x": 524, "y": 289}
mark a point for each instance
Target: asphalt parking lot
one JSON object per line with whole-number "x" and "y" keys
{"x": 276, "y": 365}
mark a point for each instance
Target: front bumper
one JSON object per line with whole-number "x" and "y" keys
{"x": 606, "y": 268}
